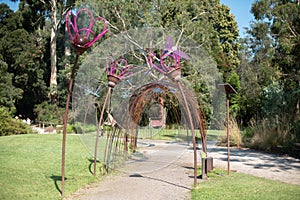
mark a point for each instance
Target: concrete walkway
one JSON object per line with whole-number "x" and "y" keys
{"x": 257, "y": 163}
{"x": 165, "y": 171}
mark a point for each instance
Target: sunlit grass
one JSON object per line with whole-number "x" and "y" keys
{"x": 31, "y": 169}
{"x": 175, "y": 134}
{"x": 31, "y": 166}
{"x": 242, "y": 186}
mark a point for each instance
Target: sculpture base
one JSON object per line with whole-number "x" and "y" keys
{"x": 112, "y": 80}
{"x": 174, "y": 74}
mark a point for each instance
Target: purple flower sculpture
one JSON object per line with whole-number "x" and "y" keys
{"x": 117, "y": 70}
{"x": 83, "y": 38}
{"x": 169, "y": 62}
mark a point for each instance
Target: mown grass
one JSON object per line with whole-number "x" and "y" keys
{"x": 31, "y": 169}
{"x": 31, "y": 166}
{"x": 176, "y": 134}
{"x": 242, "y": 186}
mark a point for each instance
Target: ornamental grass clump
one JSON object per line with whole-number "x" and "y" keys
{"x": 235, "y": 137}
{"x": 268, "y": 134}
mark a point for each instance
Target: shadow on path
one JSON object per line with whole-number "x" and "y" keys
{"x": 257, "y": 159}
{"x": 160, "y": 180}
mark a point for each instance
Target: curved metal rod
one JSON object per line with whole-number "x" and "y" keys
{"x": 192, "y": 130}
{"x": 99, "y": 124}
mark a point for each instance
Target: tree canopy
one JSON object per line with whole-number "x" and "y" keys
{"x": 264, "y": 67}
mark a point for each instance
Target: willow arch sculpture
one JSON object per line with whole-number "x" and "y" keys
{"x": 131, "y": 110}
{"x": 152, "y": 72}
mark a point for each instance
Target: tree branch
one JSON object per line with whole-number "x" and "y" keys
{"x": 122, "y": 20}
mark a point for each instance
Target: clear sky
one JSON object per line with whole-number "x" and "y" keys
{"x": 239, "y": 8}
{"x": 12, "y": 5}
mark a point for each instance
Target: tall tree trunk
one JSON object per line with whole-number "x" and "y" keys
{"x": 53, "y": 79}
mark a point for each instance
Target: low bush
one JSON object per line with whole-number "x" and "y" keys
{"x": 86, "y": 128}
{"x": 77, "y": 128}
{"x": 295, "y": 131}
{"x": 11, "y": 126}
{"x": 50, "y": 113}
{"x": 71, "y": 129}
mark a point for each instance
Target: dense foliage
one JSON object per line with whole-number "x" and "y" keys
{"x": 31, "y": 63}
{"x": 270, "y": 74}
{"x": 11, "y": 126}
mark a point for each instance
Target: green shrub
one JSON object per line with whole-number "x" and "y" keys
{"x": 71, "y": 129}
{"x": 247, "y": 134}
{"x": 11, "y": 126}
{"x": 295, "y": 131}
{"x": 78, "y": 128}
{"x": 82, "y": 128}
{"x": 51, "y": 113}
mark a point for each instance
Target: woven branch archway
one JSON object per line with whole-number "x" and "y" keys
{"x": 131, "y": 110}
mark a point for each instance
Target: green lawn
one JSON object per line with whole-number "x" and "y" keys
{"x": 174, "y": 134}
{"x": 31, "y": 169}
{"x": 31, "y": 166}
{"x": 242, "y": 186}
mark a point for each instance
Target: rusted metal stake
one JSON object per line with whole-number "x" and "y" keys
{"x": 228, "y": 136}
{"x": 99, "y": 124}
{"x": 228, "y": 89}
{"x": 65, "y": 127}
{"x": 192, "y": 130}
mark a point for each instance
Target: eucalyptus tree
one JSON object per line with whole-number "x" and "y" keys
{"x": 282, "y": 18}
{"x": 256, "y": 70}
{"x": 54, "y": 12}
{"x": 272, "y": 74}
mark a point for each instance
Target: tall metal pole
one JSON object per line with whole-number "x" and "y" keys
{"x": 228, "y": 89}
{"x": 65, "y": 127}
{"x": 228, "y": 136}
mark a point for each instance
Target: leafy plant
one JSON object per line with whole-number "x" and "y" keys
{"x": 47, "y": 112}
{"x": 11, "y": 126}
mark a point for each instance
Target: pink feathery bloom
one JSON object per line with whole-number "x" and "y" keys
{"x": 174, "y": 52}
{"x": 170, "y": 58}
{"x": 83, "y": 37}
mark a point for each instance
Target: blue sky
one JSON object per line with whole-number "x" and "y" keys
{"x": 12, "y": 5}
{"x": 239, "y": 8}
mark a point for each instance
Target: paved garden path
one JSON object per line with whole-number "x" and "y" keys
{"x": 165, "y": 171}
{"x": 261, "y": 164}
